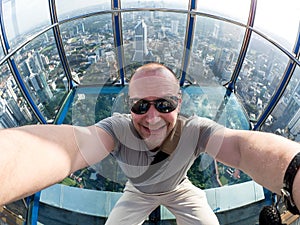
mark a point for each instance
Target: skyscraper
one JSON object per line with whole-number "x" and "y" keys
{"x": 6, "y": 119}
{"x": 294, "y": 124}
{"x": 140, "y": 42}
{"x": 174, "y": 26}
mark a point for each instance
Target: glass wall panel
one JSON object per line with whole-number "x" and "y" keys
{"x": 285, "y": 118}
{"x": 1, "y": 53}
{"x": 71, "y": 8}
{"x": 216, "y": 47}
{"x": 260, "y": 75}
{"x": 279, "y": 20}
{"x": 89, "y": 46}
{"x": 153, "y": 36}
{"x": 14, "y": 110}
{"x": 40, "y": 68}
{"x": 208, "y": 101}
{"x": 171, "y": 4}
{"x": 21, "y": 21}
{"x": 90, "y": 105}
{"x": 233, "y": 9}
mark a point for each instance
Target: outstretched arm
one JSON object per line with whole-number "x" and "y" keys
{"x": 263, "y": 156}
{"x": 34, "y": 157}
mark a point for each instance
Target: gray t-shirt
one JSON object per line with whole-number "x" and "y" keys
{"x": 135, "y": 158}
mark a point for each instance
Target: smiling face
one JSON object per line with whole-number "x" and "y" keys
{"x": 152, "y": 82}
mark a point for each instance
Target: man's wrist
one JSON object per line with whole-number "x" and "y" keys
{"x": 288, "y": 182}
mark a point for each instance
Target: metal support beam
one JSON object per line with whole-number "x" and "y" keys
{"x": 188, "y": 40}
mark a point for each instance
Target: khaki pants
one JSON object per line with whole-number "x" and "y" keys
{"x": 187, "y": 202}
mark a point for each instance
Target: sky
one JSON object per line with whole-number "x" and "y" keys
{"x": 279, "y": 17}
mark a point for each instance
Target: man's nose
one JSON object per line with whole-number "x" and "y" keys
{"x": 152, "y": 116}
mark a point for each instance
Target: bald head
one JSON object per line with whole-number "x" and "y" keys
{"x": 153, "y": 79}
{"x": 154, "y": 69}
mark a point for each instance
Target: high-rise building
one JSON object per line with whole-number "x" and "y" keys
{"x": 292, "y": 108}
{"x": 35, "y": 63}
{"x": 216, "y": 30}
{"x": 10, "y": 91}
{"x": 82, "y": 27}
{"x": 294, "y": 124}
{"x": 6, "y": 118}
{"x": 38, "y": 60}
{"x": 140, "y": 42}
{"x": 174, "y": 26}
{"x": 25, "y": 68}
{"x": 39, "y": 85}
{"x": 16, "y": 112}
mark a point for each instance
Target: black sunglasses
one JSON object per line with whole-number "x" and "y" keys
{"x": 162, "y": 105}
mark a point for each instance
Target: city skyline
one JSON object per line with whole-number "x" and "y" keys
{"x": 267, "y": 19}
{"x": 89, "y": 44}
{"x": 36, "y": 75}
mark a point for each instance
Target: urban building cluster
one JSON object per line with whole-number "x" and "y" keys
{"x": 149, "y": 36}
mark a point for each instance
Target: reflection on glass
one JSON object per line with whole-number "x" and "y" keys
{"x": 232, "y": 9}
{"x": 153, "y": 36}
{"x": 285, "y": 118}
{"x": 14, "y": 110}
{"x": 209, "y": 102}
{"x": 279, "y": 20}
{"x": 92, "y": 104}
{"x": 89, "y": 46}
{"x": 155, "y": 4}
{"x": 215, "y": 50}
{"x": 21, "y": 21}
{"x": 89, "y": 106}
{"x": 260, "y": 75}
{"x": 40, "y": 68}
{"x": 71, "y": 8}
